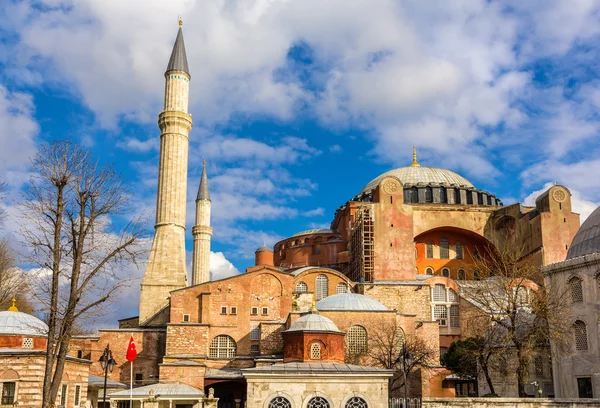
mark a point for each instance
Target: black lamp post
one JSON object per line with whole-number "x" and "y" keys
{"x": 107, "y": 362}
{"x": 405, "y": 360}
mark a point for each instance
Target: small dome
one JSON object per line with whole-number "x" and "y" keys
{"x": 313, "y": 322}
{"x": 20, "y": 323}
{"x": 421, "y": 175}
{"x": 587, "y": 239}
{"x": 264, "y": 248}
{"x": 315, "y": 231}
{"x": 350, "y": 301}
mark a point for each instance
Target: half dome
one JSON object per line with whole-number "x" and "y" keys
{"x": 313, "y": 322}
{"x": 421, "y": 175}
{"x": 587, "y": 238}
{"x": 21, "y": 324}
{"x": 350, "y": 301}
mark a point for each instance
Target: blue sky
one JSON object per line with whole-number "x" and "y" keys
{"x": 297, "y": 104}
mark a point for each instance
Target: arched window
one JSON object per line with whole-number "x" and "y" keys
{"x": 428, "y": 195}
{"x": 444, "y": 252}
{"x": 446, "y": 272}
{"x": 476, "y": 274}
{"x": 429, "y": 271}
{"x": 580, "y": 331}
{"x": 461, "y": 274}
{"x": 538, "y": 366}
{"x": 280, "y": 402}
{"x": 315, "y": 351}
{"x": 318, "y": 402}
{"x": 357, "y": 340}
{"x": 222, "y": 346}
{"x": 414, "y": 195}
{"x": 576, "y": 290}
{"x": 301, "y": 287}
{"x": 322, "y": 287}
{"x": 429, "y": 250}
{"x": 341, "y": 288}
{"x": 356, "y": 402}
{"x": 459, "y": 251}
{"x": 439, "y": 293}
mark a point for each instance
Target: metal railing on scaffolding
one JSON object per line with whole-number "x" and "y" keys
{"x": 400, "y": 403}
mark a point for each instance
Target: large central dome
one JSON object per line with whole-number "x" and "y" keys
{"x": 421, "y": 175}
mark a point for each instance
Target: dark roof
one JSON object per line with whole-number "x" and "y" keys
{"x": 587, "y": 239}
{"x": 178, "y": 60}
{"x": 203, "y": 193}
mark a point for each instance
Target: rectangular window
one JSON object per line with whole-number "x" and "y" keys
{"x": 254, "y": 350}
{"x": 440, "y": 313}
{"x": 233, "y": 310}
{"x": 439, "y": 293}
{"x": 454, "y": 316}
{"x": 63, "y": 395}
{"x": 77, "y": 394}
{"x": 27, "y": 342}
{"x": 223, "y": 309}
{"x": 265, "y": 311}
{"x": 79, "y": 353}
{"x": 584, "y": 386}
{"x": 254, "y": 311}
{"x": 443, "y": 351}
{"x": 8, "y": 393}
{"x": 139, "y": 378}
{"x": 186, "y": 318}
{"x": 255, "y": 333}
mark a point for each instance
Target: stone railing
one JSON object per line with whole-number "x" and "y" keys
{"x": 509, "y": 403}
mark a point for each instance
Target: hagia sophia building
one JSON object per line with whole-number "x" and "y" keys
{"x": 292, "y": 330}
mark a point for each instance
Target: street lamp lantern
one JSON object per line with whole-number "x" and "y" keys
{"x": 108, "y": 363}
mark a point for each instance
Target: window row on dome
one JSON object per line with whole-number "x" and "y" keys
{"x": 576, "y": 288}
{"x": 319, "y": 401}
{"x": 448, "y": 195}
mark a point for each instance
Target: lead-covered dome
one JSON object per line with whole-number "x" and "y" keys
{"x": 313, "y": 322}
{"x": 587, "y": 239}
{"x": 414, "y": 175}
{"x": 21, "y": 324}
{"x": 350, "y": 301}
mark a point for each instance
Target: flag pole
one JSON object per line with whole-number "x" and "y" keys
{"x": 131, "y": 385}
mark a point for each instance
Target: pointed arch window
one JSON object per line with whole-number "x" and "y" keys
{"x": 444, "y": 250}
{"x": 322, "y": 287}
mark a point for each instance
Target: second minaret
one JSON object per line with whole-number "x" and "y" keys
{"x": 202, "y": 233}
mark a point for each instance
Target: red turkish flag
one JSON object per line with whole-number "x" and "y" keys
{"x": 131, "y": 352}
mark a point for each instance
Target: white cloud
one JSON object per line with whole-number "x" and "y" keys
{"x": 220, "y": 267}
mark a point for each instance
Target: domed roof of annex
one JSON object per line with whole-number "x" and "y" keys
{"x": 264, "y": 248}
{"x": 417, "y": 174}
{"x": 313, "y": 322}
{"x": 22, "y": 324}
{"x": 350, "y": 301}
{"x": 587, "y": 238}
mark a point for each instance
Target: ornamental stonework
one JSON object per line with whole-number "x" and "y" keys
{"x": 391, "y": 186}
{"x": 559, "y": 195}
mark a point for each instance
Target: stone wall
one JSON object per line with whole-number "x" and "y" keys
{"x": 509, "y": 403}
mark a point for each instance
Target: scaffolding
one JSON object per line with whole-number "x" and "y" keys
{"x": 362, "y": 251}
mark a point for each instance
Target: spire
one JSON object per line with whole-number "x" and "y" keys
{"x": 178, "y": 60}
{"x": 203, "y": 193}
{"x": 415, "y": 163}
{"x": 13, "y": 307}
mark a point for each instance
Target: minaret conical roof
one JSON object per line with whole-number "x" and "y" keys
{"x": 203, "y": 193}
{"x": 178, "y": 60}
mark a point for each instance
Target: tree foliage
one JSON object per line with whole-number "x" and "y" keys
{"x": 70, "y": 203}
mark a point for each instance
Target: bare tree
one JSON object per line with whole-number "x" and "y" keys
{"x": 388, "y": 348}
{"x": 3, "y": 187}
{"x": 13, "y": 282}
{"x": 69, "y": 205}
{"x": 523, "y": 314}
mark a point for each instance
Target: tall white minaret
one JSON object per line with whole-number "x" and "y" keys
{"x": 202, "y": 233}
{"x": 166, "y": 270}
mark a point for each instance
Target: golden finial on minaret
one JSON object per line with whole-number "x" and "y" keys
{"x": 13, "y": 307}
{"x": 313, "y": 309}
{"x": 415, "y": 163}
{"x": 180, "y": 21}
{"x": 204, "y": 162}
